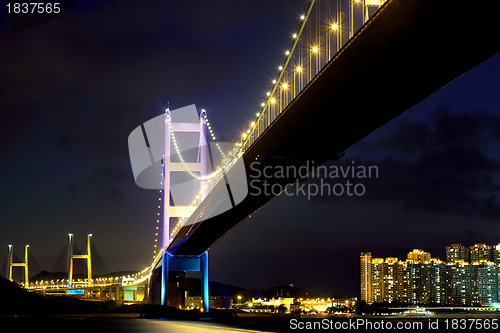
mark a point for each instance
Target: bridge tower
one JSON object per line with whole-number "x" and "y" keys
{"x": 72, "y": 256}
{"x": 174, "y": 296}
{"x": 18, "y": 264}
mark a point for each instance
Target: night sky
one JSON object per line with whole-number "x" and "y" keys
{"x": 72, "y": 89}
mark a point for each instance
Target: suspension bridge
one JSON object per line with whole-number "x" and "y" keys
{"x": 351, "y": 67}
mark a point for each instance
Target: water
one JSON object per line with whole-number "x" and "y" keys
{"x": 114, "y": 325}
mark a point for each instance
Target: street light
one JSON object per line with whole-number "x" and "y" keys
{"x": 334, "y": 27}
{"x": 283, "y": 96}
{"x": 315, "y": 50}
{"x": 351, "y": 17}
{"x": 297, "y": 70}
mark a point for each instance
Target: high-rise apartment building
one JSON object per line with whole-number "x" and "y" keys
{"x": 484, "y": 282}
{"x": 437, "y": 277}
{"x": 377, "y": 280}
{"x": 456, "y": 252}
{"x": 420, "y": 283}
{"x": 480, "y": 252}
{"x": 458, "y": 283}
{"x": 421, "y": 279}
{"x": 419, "y": 256}
{"x": 366, "y": 262}
{"x": 496, "y": 253}
{"x": 403, "y": 284}
{"x": 390, "y": 269}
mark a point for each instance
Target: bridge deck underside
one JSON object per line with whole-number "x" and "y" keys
{"x": 406, "y": 52}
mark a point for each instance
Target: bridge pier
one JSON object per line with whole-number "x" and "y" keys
{"x": 116, "y": 293}
{"x": 173, "y": 269}
{"x": 24, "y": 264}
{"x": 204, "y": 281}
{"x": 87, "y": 257}
{"x": 171, "y": 288}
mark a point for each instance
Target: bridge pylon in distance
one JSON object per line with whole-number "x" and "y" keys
{"x": 171, "y": 293}
{"x": 18, "y": 264}
{"x": 72, "y": 256}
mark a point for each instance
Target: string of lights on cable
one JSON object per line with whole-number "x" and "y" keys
{"x": 322, "y": 31}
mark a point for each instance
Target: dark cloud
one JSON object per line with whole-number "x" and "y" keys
{"x": 452, "y": 180}
{"x": 412, "y": 138}
{"x": 477, "y": 128}
{"x": 108, "y": 180}
{"x": 72, "y": 189}
{"x": 18, "y": 121}
{"x": 447, "y": 164}
{"x": 106, "y": 173}
{"x": 471, "y": 232}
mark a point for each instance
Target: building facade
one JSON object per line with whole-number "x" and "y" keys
{"x": 421, "y": 279}
{"x": 496, "y": 253}
{"x": 456, "y": 252}
{"x": 480, "y": 252}
{"x": 366, "y": 261}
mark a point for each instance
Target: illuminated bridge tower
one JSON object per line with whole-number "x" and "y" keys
{"x": 173, "y": 266}
{"x": 72, "y": 256}
{"x": 18, "y": 264}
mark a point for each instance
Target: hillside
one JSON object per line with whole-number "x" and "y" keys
{"x": 15, "y": 300}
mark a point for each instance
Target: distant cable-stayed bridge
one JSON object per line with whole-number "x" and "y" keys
{"x": 351, "y": 67}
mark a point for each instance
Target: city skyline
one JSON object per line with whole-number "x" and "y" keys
{"x": 467, "y": 277}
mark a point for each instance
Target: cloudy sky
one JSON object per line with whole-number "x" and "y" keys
{"x": 72, "y": 89}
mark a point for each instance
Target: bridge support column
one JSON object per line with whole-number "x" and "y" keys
{"x": 117, "y": 294}
{"x": 204, "y": 280}
{"x": 10, "y": 259}
{"x": 179, "y": 211}
{"x": 87, "y": 257}
{"x": 173, "y": 268}
{"x": 24, "y": 264}
{"x": 164, "y": 278}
